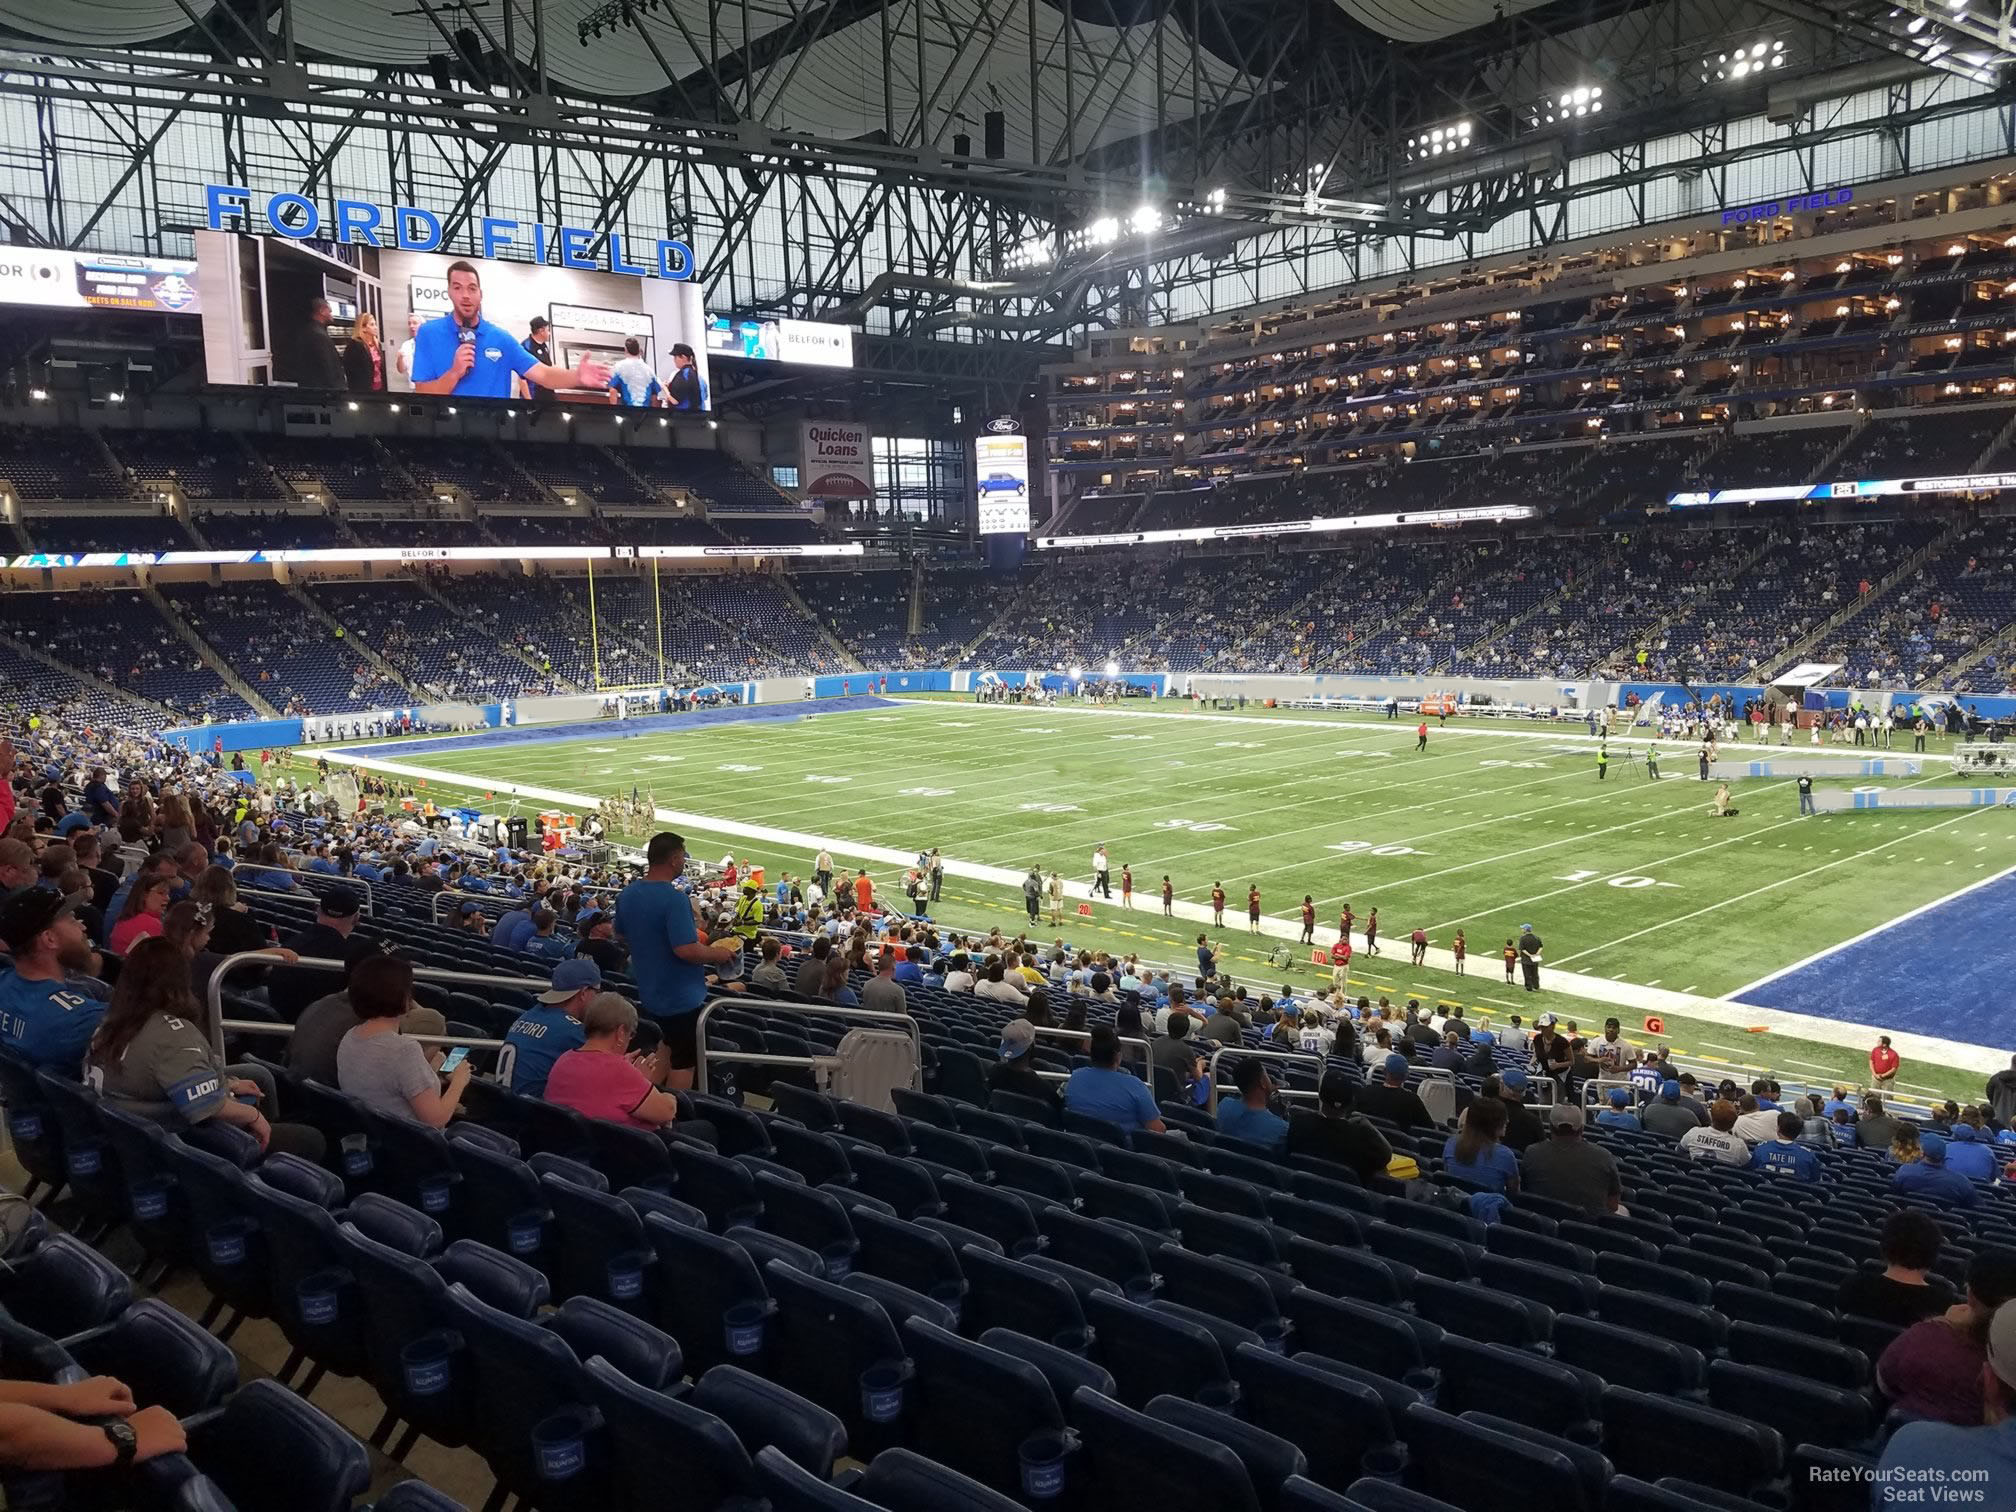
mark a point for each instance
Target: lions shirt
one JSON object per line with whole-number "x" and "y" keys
{"x": 498, "y": 357}
{"x": 166, "y": 1073}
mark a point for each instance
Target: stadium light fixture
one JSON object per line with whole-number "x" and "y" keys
{"x": 1145, "y": 221}
{"x": 1562, "y": 106}
{"x": 1743, "y": 62}
{"x": 1104, "y": 231}
{"x": 1438, "y": 140}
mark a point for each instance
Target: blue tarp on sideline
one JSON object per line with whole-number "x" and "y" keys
{"x": 614, "y": 729}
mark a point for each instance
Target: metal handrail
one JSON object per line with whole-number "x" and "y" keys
{"x": 507, "y": 1053}
{"x": 814, "y": 1010}
{"x": 244, "y": 960}
{"x": 355, "y": 884}
{"x": 1211, "y": 1106}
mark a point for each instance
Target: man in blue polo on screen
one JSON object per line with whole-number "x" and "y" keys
{"x": 463, "y": 354}
{"x": 631, "y": 382}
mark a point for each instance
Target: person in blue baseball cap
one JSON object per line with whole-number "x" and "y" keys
{"x": 1619, "y": 1115}
{"x": 1929, "y": 1177}
{"x": 1669, "y": 1115}
{"x": 541, "y": 1035}
{"x": 1393, "y": 1100}
{"x": 1968, "y": 1152}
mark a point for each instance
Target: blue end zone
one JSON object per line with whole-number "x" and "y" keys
{"x": 1944, "y": 973}
{"x": 616, "y": 729}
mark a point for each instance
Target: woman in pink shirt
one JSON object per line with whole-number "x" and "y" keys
{"x": 603, "y": 1078}
{"x": 141, "y": 918}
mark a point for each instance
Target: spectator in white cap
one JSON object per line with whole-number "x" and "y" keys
{"x": 1977, "y": 1460}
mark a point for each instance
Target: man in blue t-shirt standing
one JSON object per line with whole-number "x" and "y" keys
{"x": 542, "y": 1035}
{"x": 48, "y": 1009}
{"x": 463, "y": 354}
{"x": 668, "y": 957}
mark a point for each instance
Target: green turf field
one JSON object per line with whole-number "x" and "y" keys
{"x": 1627, "y": 879}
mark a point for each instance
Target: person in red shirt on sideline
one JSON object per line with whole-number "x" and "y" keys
{"x": 1308, "y": 920}
{"x": 1340, "y": 963}
{"x": 1253, "y": 909}
{"x": 1421, "y": 736}
{"x": 864, "y": 892}
{"x": 1883, "y": 1063}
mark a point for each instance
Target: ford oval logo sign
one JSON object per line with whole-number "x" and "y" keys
{"x": 1006, "y": 425}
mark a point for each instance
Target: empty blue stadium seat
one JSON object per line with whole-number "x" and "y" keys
{"x": 1150, "y": 1352}
{"x": 977, "y": 1407}
{"x": 266, "y": 1447}
{"x": 1646, "y": 1435}
{"x": 1336, "y": 1422}
{"x": 1134, "y": 1462}
{"x": 839, "y": 1349}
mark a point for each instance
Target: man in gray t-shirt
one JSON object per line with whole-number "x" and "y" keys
{"x": 1670, "y": 1115}
{"x": 384, "y": 1071}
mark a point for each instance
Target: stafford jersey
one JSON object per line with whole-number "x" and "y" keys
{"x": 498, "y": 356}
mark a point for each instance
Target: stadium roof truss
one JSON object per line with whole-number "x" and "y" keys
{"x": 1000, "y": 175}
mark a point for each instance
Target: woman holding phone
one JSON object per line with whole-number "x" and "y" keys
{"x": 381, "y": 1067}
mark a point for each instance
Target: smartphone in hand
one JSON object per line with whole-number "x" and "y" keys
{"x": 454, "y": 1058}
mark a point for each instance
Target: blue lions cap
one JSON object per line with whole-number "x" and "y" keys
{"x": 1396, "y": 1065}
{"x": 1934, "y": 1147}
{"x": 569, "y": 977}
{"x": 471, "y": 908}
{"x": 1619, "y": 1098}
{"x": 1515, "y": 1079}
{"x": 1962, "y": 1133}
{"x": 1669, "y": 1091}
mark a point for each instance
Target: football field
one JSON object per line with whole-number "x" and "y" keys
{"x": 1631, "y": 881}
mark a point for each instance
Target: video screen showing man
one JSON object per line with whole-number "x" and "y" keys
{"x": 687, "y": 390}
{"x": 539, "y": 342}
{"x": 463, "y": 354}
{"x": 631, "y": 382}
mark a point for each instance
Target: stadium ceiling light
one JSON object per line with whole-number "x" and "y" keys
{"x": 1145, "y": 221}
{"x": 1437, "y": 140}
{"x": 1566, "y": 105}
{"x": 1104, "y": 231}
